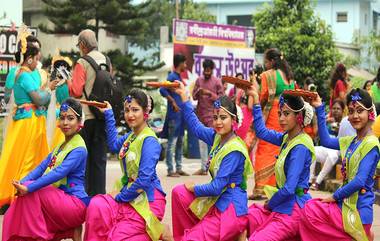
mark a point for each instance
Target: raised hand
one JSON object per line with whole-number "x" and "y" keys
{"x": 108, "y": 107}
{"x": 252, "y": 92}
{"x": 316, "y": 102}
{"x": 181, "y": 91}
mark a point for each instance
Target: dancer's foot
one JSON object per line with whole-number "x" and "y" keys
{"x": 242, "y": 236}
{"x": 77, "y": 236}
{"x": 314, "y": 186}
{"x": 167, "y": 234}
{"x": 257, "y": 197}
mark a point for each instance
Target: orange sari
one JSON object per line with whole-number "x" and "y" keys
{"x": 266, "y": 153}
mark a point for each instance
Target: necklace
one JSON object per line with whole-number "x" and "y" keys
{"x": 124, "y": 149}
{"x": 215, "y": 151}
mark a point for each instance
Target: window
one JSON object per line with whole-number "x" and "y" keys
{"x": 341, "y": 17}
{"x": 242, "y": 20}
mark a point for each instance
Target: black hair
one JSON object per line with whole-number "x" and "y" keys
{"x": 366, "y": 99}
{"x": 365, "y": 83}
{"x": 337, "y": 74}
{"x": 208, "y": 63}
{"x": 178, "y": 59}
{"x": 309, "y": 80}
{"x": 75, "y": 105}
{"x": 279, "y": 62}
{"x": 142, "y": 99}
{"x": 31, "y": 51}
{"x": 33, "y": 39}
{"x": 294, "y": 102}
{"x": 229, "y": 105}
{"x": 340, "y": 102}
{"x": 239, "y": 74}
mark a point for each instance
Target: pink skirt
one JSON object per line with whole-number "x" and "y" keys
{"x": 215, "y": 225}
{"x": 323, "y": 222}
{"x": 46, "y": 214}
{"x": 107, "y": 219}
{"x": 266, "y": 225}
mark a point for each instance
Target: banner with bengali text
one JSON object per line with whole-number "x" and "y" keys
{"x": 230, "y": 47}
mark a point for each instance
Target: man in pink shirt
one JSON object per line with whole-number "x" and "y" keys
{"x": 207, "y": 89}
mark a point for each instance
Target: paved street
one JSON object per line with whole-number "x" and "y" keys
{"x": 191, "y": 165}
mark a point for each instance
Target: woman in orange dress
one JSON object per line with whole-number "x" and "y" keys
{"x": 277, "y": 78}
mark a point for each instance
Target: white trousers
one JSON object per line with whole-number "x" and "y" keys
{"x": 328, "y": 157}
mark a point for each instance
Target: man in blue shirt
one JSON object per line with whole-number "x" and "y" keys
{"x": 174, "y": 122}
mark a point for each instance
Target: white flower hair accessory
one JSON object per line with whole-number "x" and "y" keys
{"x": 309, "y": 113}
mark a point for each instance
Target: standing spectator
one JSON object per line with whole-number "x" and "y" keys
{"x": 375, "y": 89}
{"x": 368, "y": 85}
{"x": 174, "y": 123}
{"x": 93, "y": 131}
{"x": 207, "y": 89}
{"x": 338, "y": 83}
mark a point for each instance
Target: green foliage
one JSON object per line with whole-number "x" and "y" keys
{"x": 370, "y": 45}
{"x": 350, "y": 61}
{"x": 357, "y": 82}
{"x": 197, "y": 11}
{"x": 305, "y": 40}
{"x": 116, "y": 16}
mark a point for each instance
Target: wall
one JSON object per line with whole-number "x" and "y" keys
{"x": 66, "y": 42}
{"x": 326, "y": 9}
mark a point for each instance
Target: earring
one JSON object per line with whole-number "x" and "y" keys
{"x": 146, "y": 116}
{"x": 235, "y": 126}
{"x": 371, "y": 116}
{"x": 30, "y": 61}
{"x": 300, "y": 119}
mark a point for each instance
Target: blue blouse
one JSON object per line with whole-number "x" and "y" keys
{"x": 363, "y": 178}
{"x": 25, "y": 84}
{"x": 230, "y": 171}
{"x": 147, "y": 178}
{"x": 297, "y": 168}
{"x": 73, "y": 168}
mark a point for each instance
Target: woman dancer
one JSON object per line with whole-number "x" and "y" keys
{"x": 21, "y": 153}
{"x": 52, "y": 199}
{"x": 217, "y": 210}
{"x": 134, "y": 212}
{"x": 348, "y": 213}
{"x": 278, "y": 219}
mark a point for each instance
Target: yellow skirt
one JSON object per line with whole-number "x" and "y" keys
{"x": 25, "y": 147}
{"x": 58, "y": 137}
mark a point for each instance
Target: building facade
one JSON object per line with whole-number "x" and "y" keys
{"x": 33, "y": 16}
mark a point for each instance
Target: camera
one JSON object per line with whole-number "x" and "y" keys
{"x": 312, "y": 87}
{"x": 60, "y": 70}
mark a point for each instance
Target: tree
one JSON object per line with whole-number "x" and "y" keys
{"x": 304, "y": 39}
{"x": 370, "y": 46}
{"x": 116, "y": 16}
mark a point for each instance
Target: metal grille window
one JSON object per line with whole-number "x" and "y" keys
{"x": 341, "y": 17}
